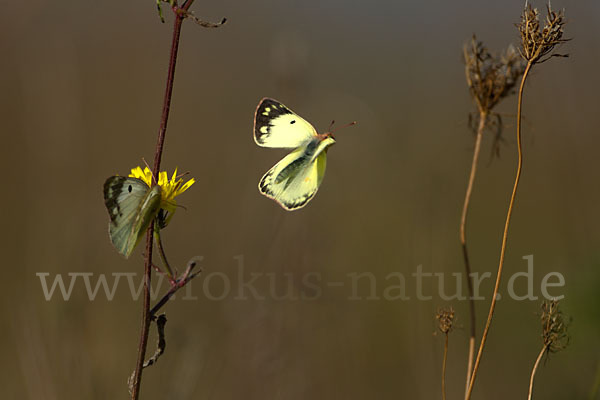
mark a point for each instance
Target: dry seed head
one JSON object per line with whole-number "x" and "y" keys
{"x": 491, "y": 77}
{"x": 536, "y": 42}
{"x": 445, "y": 317}
{"x": 554, "y": 327}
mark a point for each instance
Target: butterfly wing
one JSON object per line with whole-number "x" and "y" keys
{"x": 294, "y": 180}
{"x": 131, "y": 206}
{"x": 275, "y": 125}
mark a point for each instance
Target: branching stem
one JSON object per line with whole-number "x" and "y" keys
{"x": 146, "y": 315}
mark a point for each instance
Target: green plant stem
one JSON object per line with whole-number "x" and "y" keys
{"x": 146, "y": 316}
{"x": 505, "y": 234}
{"x": 463, "y": 241}
{"x": 535, "y": 366}
{"x": 163, "y": 256}
{"x": 444, "y": 366}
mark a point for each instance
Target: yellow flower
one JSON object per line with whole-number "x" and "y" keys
{"x": 169, "y": 190}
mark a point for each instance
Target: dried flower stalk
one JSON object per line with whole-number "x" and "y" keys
{"x": 554, "y": 335}
{"x": 445, "y": 317}
{"x": 537, "y": 46}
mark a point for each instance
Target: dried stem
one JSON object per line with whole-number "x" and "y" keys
{"x": 445, "y": 317}
{"x": 505, "y": 234}
{"x": 444, "y": 367}
{"x": 490, "y": 79}
{"x": 463, "y": 241}
{"x": 146, "y": 315}
{"x": 535, "y": 366}
{"x": 554, "y": 335}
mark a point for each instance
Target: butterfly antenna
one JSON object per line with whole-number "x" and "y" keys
{"x": 331, "y": 125}
{"x": 342, "y": 127}
{"x": 148, "y": 166}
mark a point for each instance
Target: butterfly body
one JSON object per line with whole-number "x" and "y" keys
{"x": 131, "y": 205}
{"x": 294, "y": 180}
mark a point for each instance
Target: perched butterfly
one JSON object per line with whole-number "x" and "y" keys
{"x": 132, "y": 204}
{"x": 294, "y": 180}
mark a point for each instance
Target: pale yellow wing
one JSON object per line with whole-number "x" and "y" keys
{"x": 275, "y": 125}
{"x": 294, "y": 180}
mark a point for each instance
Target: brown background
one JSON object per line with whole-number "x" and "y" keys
{"x": 81, "y": 91}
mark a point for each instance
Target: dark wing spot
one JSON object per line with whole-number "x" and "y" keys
{"x": 129, "y": 188}
{"x": 293, "y": 121}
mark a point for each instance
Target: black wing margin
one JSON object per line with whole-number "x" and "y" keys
{"x": 267, "y": 110}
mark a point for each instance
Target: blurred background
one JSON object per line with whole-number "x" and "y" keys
{"x": 81, "y": 91}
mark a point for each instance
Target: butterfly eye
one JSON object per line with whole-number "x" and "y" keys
{"x": 292, "y": 122}
{"x": 129, "y": 188}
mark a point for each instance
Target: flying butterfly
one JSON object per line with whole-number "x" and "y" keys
{"x": 294, "y": 180}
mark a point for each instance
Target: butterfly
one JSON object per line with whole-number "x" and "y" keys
{"x": 294, "y": 180}
{"x": 131, "y": 205}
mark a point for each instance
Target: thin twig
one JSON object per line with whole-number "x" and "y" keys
{"x": 535, "y": 366}
{"x": 146, "y": 316}
{"x": 187, "y": 276}
{"x": 205, "y": 24}
{"x": 505, "y": 234}
{"x": 463, "y": 241}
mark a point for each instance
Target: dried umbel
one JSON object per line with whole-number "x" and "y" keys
{"x": 554, "y": 327}
{"x": 491, "y": 77}
{"x": 537, "y": 43}
{"x": 445, "y": 317}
